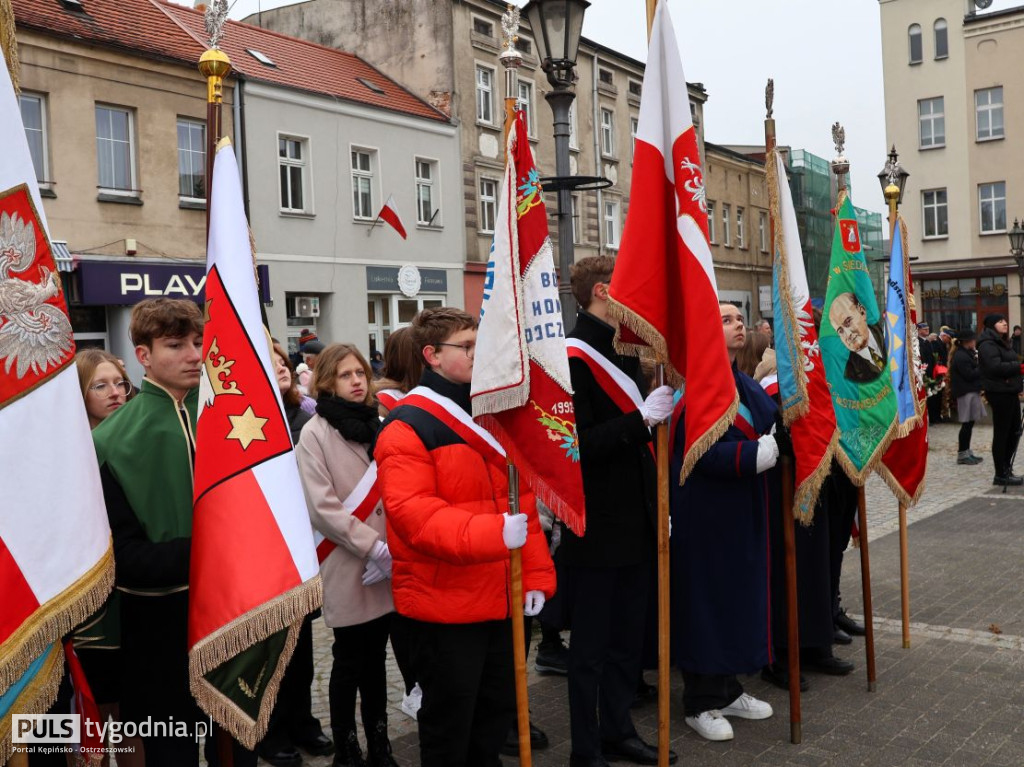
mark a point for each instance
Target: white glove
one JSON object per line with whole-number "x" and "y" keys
{"x": 534, "y": 603}
{"x": 378, "y": 566}
{"x": 658, "y": 405}
{"x": 767, "y": 452}
{"x": 514, "y": 532}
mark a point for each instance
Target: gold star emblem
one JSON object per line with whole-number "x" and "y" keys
{"x": 247, "y": 428}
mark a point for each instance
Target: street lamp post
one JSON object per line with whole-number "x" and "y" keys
{"x": 557, "y": 26}
{"x": 1017, "y": 250}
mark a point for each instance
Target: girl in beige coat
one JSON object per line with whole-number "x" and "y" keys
{"x": 333, "y": 455}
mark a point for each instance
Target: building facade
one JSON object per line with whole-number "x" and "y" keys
{"x": 951, "y": 72}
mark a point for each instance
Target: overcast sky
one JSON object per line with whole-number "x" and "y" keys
{"x": 825, "y": 57}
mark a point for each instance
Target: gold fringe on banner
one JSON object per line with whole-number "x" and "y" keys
{"x": 285, "y": 612}
{"x": 9, "y": 43}
{"x": 56, "y": 618}
{"x": 38, "y": 695}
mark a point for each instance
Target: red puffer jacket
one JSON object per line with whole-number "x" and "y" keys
{"x": 444, "y": 507}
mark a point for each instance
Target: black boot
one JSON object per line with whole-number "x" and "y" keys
{"x": 379, "y": 746}
{"x": 348, "y": 753}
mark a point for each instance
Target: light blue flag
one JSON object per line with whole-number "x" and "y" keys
{"x": 901, "y": 335}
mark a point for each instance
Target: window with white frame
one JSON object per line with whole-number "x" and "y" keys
{"x": 611, "y": 223}
{"x": 191, "y": 159}
{"x": 915, "y": 44}
{"x": 727, "y": 224}
{"x": 936, "y": 217}
{"x": 525, "y": 102}
{"x": 574, "y": 140}
{"x": 362, "y": 161}
{"x": 607, "y": 132}
{"x": 427, "y": 198}
{"x": 488, "y": 203}
{"x": 711, "y": 222}
{"x": 33, "y": 117}
{"x": 293, "y": 167}
{"x": 932, "y": 120}
{"x": 577, "y": 227}
{"x": 741, "y": 240}
{"x": 115, "y": 150}
{"x": 992, "y": 206}
{"x": 484, "y": 94}
{"x": 941, "y": 39}
{"x": 634, "y": 125}
{"x": 763, "y": 230}
{"x": 988, "y": 111}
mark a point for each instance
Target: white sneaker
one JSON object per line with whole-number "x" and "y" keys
{"x": 748, "y": 707}
{"x": 411, "y": 703}
{"x": 711, "y": 725}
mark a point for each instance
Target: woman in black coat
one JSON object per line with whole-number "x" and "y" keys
{"x": 1002, "y": 383}
{"x": 965, "y": 382}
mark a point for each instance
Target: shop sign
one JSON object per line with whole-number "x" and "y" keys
{"x": 125, "y": 283}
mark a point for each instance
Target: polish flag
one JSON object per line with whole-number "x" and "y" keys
{"x": 389, "y": 213}
{"x": 254, "y": 572}
{"x": 663, "y": 290}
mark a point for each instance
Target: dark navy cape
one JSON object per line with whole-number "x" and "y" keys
{"x": 721, "y": 618}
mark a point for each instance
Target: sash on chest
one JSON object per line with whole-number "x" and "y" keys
{"x": 360, "y": 503}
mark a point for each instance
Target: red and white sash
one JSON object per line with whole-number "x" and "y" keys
{"x": 770, "y": 384}
{"x": 360, "y": 503}
{"x": 458, "y": 420}
{"x": 389, "y": 398}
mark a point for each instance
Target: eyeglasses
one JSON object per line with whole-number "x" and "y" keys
{"x": 469, "y": 349}
{"x": 103, "y": 389}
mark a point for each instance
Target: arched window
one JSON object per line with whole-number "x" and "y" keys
{"x": 916, "y": 54}
{"x": 941, "y": 39}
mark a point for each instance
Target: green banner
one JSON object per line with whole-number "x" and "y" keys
{"x": 853, "y": 347}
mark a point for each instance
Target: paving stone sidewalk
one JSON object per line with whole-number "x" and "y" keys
{"x": 955, "y": 698}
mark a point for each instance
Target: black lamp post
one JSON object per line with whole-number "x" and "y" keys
{"x": 893, "y": 174}
{"x": 1016, "y": 236}
{"x": 557, "y": 26}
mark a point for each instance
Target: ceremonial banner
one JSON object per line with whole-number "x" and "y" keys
{"x": 521, "y": 390}
{"x": 663, "y": 290}
{"x": 56, "y": 560}
{"x": 904, "y": 464}
{"x": 854, "y": 349}
{"x": 254, "y": 572}
{"x": 803, "y": 392}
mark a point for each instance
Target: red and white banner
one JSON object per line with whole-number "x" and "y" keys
{"x": 56, "y": 559}
{"x": 254, "y": 570}
{"x": 389, "y": 213}
{"x": 663, "y": 290}
{"x": 521, "y": 389}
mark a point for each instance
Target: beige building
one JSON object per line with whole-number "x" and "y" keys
{"x": 447, "y": 53}
{"x": 950, "y": 74}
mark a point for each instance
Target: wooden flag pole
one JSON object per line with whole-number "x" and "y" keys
{"x": 664, "y": 595}
{"x": 865, "y": 579}
{"x": 788, "y": 481}
{"x": 511, "y": 59}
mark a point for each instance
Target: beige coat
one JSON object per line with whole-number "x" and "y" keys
{"x": 331, "y": 466}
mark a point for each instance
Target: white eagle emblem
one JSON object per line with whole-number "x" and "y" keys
{"x": 695, "y": 184}
{"x": 33, "y": 334}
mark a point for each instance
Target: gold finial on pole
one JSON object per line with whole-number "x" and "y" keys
{"x": 214, "y": 65}
{"x": 769, "y": 99}
{"x": 840, "y": 165}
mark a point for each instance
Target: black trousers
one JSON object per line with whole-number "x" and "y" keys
{"x": 607, "y": 615}
{"x": 292, "y": 720}
{"x": 360, "y": 653}
{"x": 469, "y": 699}
{"x": 935, "y": 408}
{"x": 964, "y": 437}
{"x": 704, "y": 692}
{"x": 1005, "y": 429}
{"x": 400, "y": 644}
{"x": 841, "y": 501}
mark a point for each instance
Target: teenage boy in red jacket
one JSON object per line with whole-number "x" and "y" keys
{"x": 445, "y": 488}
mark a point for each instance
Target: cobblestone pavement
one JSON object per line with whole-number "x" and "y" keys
{"x": 954, "y": 698}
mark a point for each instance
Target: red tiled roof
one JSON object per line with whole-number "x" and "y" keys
{"x": 166, "y": 31}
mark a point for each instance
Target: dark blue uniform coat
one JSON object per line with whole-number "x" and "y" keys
{"x": 720, "y": 579}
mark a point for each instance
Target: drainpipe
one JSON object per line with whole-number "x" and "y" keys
{"x": 597, "y": 155}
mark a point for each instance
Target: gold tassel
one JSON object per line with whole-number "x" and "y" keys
{"x": 9, "y": 43}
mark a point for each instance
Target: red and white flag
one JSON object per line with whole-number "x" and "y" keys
{"x": 521, "y": 390}
{"x": 389, "y": 213}
{"x": 663, "y": 290}
{"x": 254, "y": 572}
{"x": 56, "y": 559}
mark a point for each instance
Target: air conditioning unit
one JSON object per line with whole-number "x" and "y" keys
{"x": 305, "y": 306}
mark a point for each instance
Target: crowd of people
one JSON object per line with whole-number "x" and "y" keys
{"x": 427, "y": 568}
